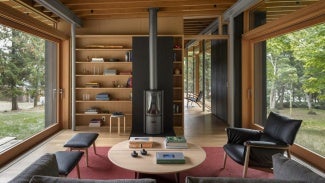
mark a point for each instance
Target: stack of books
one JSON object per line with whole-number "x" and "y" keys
{"x": 110, "y": 72}
{"x": 175, "y": 142}
{"x": 170, "y": 158}
{"x": 103, "y": 96}
{"x": 92, "y": 85}
{"x": 97, "y": 59}
{"x": 95, "y": 122}
{"x": 140, "y": 142}
{"x": 92, "y": 110}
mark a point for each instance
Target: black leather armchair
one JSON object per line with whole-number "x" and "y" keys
{"x": 254, "y": 148}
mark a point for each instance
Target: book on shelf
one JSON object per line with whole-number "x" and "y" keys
{"x": 92, "y": 85}
{"x": 92, "y": 110}
{"x": 170, "y": 158}
{"x": 95, "y": 122}
{"x": 175, "y": 142}
{"x": 110, "y": 71}
{"x": 140, "y": 142}
{"x": 97, "y": 59}
{"x": 103, "y": 96}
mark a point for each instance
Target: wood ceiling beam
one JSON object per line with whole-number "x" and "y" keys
{"x": 141, "y": 10}
{"x": 134, "y": 2}
{"x": 145, "y": 14}
{"x": 205, "y": 37}
{"x": 161, "y": 7}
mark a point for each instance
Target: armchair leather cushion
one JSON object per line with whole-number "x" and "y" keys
{"x": 282, "y": 128}
{"x": 241, "y": 135}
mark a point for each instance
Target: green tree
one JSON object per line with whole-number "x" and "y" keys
{"x": 308, "y": 46}
{"x": 36, "y": 65}
{"x": 20, "y": 66}
{"x": 281, "y": 75}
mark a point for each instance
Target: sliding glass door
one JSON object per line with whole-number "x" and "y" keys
{"x": 28, "y": 85}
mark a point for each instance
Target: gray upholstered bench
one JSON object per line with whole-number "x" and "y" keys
{"x": 67, "y": 160}
{"x": 82, "y": 141}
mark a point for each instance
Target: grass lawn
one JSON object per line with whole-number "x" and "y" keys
{"x": 24, "y": 123}
{"x": 21, "y": 124}
{"x": 312, "y": 132}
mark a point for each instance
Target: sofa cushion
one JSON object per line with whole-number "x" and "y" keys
{"x": 190, "y": 179}
{"x": 288, "y": 169}
{"x": 45, "y": 165}
{"x": 47, "y": 179}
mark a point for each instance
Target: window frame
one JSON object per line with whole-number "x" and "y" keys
{"x": 305, "y": 17}
{"x": 20, "y": 21}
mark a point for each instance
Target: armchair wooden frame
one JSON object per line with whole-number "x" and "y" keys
{"x": 248, "y": 148}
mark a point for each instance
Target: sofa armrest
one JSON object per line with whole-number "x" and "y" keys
{"x": 288, "y": 169}
{"x": 48, "y": 179}
{"x": 190, "y": 179}
{"x": 45, "y": 165}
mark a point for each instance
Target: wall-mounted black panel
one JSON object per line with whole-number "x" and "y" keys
{"x": 238, "y": 31}
{"x": 219, "y": 78}
{"x": 140, "y": 47}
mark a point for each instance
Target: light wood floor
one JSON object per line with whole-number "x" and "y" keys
{"x": 200, "y": 128}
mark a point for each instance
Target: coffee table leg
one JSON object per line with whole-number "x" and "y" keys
{"x": 177, "y": 177}
{"x": 136, "y": 175}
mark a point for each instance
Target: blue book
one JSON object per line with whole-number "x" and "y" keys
{"x": 170, "y": 158}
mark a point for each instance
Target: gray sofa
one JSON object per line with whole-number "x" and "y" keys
{"x": 45, "y": 170}
{"x": 284, "y": 170}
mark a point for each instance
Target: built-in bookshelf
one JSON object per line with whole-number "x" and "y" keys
{"x": 103, "y": 68}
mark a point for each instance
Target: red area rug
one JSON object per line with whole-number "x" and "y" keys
{"x": 101, "y": 168}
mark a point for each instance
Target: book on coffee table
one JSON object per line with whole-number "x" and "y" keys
{"x": 175, "y": 142}
{"x": 170, "y": 158}
{"x": 140, "y": 142}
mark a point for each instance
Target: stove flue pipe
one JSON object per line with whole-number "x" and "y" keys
{"x": 153, "y": 75}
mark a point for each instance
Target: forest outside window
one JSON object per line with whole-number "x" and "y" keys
{"x": 290, "y": 80}
{"x": 27, "y": 82}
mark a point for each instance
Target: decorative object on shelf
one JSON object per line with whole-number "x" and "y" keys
{"x": 85, "y": 96}
{"x": 113, "y": 60}
{"x": 175, "y": 56}
{"x": 105, "y": 111}
{"x": 129, "y": 83}
{"x": 176, "y": 108}
{"x": 115, "y": 83}
{"x": 103, "y": 96}
{"x": 170, "y": 158}
{"x": 177, "y": 45}
{"x": 118, "y": 113}
{"x": 128, "y": 56}
{"x": 177, "y": 71}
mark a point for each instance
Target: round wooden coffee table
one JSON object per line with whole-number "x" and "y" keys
{"x": 120, "y": 155}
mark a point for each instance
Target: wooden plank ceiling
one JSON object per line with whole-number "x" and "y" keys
{"x": 197, "y": 14}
